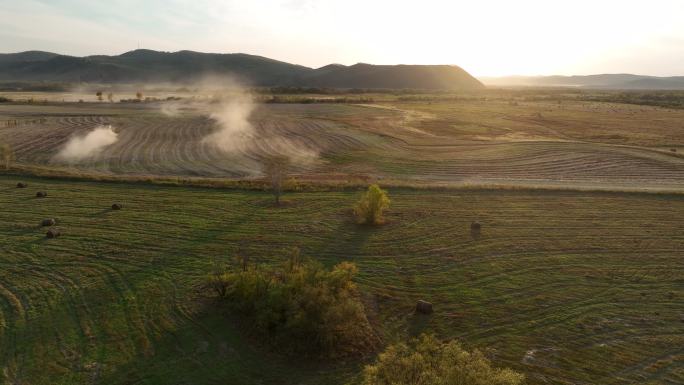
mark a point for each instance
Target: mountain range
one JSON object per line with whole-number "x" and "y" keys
{"x": 185, "y": 67}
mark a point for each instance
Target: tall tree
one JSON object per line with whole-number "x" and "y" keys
{"x": 275, "y": 171}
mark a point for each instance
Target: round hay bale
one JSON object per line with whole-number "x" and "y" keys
{"x": 41, "y": 194}
{"x": 117, "y": 206}
{"x": 52, "y": 233}
{"x": 22, "y": 185}
{"x": 48, "y": 222}
{"x": 475, "y": 226}
{"x": 423, "y": 307}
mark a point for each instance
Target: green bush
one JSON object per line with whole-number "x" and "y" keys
{"x": 371, "y": 205}
{"x": 427, "y": 361}
{"x": 301, "y": 308}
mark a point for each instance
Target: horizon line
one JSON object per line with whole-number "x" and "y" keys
{"x": 357, "y": 63}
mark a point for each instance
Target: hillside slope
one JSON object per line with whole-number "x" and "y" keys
{"x": 145, "y": 66}
{"x": 363, "y": 75}
{"x": 188, "y": 66}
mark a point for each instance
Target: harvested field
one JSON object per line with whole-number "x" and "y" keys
{"x": 568, "y": 287}
{"x": 465, "y": 141}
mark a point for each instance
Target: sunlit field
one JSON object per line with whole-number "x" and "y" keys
{"x": 547, "y": 139}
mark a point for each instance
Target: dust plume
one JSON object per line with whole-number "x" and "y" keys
{"x": 170, "y": 109}
{"x": 88, "y": 145}
{"x": 235, "y": 132}
{"x": 237, "y": 137}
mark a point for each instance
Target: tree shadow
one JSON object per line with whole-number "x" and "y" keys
{"x": 213, "y": 348}
{"x": 418, "y": 324}
{"x": 347, "y": 242}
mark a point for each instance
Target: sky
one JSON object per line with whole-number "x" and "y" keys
{"x": 485, "y": 37}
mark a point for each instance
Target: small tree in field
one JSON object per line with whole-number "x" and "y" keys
{"x": 139, "y": 95}
{"x": 99, "y": 95}
{"x": 6, "y": 155}
{"x": 369, "y": 208}
{"x": 275, "y": 170}
{"x": 427, "y": 361}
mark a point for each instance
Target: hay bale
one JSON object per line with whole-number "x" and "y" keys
{"x": 22, "y": 185}
{"x": 475, "y": 226}
{"x": 41, "y": 194}
{"x": 117, "y": 206}
{"x": 48, "y": 222}
{"x": 423, "y": 307}
{"x": 53, "y": 233}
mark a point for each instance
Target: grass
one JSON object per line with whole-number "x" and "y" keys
{"x": 567, "y": 287}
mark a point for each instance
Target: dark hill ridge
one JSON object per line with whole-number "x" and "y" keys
{"x": 392, "y": 76}
{"x": 188, "y": 66}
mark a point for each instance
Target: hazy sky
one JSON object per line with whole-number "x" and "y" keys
{"x": 486, "y": 37}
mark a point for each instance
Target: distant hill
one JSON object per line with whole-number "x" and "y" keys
{"x": 27, "y": 56}
{"x": 143, "y": 66}
{"x": 604, "y": 81}
{"x": 188, "y": 66}
{"x": 391, "y": 76}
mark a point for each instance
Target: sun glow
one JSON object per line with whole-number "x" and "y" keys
{"x": 487, "y": 37}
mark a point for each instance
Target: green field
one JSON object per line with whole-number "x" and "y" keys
{"x": 567, "y": 287}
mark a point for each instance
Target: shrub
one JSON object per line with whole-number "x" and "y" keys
{"x": 427, "y": 361}
{"x": 300, "y": 308}
{"x": 371, "y": 205}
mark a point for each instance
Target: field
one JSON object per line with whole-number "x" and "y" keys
{"x": 576, "y": 278}
{"x": 551, "y": 141}
{"x": 568, "y": 287}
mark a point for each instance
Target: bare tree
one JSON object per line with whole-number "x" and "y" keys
{"x": 6, "y": 155}
{"x": 275, "y": 170}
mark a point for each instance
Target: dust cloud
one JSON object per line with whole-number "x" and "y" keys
{"x": 236, "y": 136}
{"x": 86, "y": 146}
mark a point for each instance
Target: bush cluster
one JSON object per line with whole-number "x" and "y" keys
{"x": 301, "y": 308}
{"x": 427, "y": 361}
